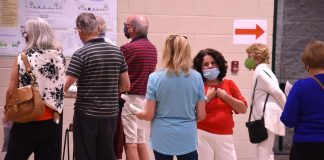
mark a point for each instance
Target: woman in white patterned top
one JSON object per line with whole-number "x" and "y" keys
{"x": 42, "y": 136}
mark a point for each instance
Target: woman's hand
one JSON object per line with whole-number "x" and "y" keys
{"x": 210, "y": 94}
{"x": 221, "y": 93}
{"x": 236, "y": 104}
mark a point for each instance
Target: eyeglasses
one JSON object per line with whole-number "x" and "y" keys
{"x": 24, "y": 34}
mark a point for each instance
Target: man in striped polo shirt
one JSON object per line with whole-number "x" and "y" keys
{"x": 101, "y": 73}
{"x": 141, "y": 57}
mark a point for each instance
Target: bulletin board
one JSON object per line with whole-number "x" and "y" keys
{"x": 61, "y": 14}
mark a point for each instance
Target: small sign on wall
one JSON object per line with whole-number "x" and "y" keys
{"x": 248, "y": 31}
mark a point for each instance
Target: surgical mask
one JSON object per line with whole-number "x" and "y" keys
{"x": 126, "y": 32}
{"x": 211, "y": 74}
{"x": 249, "y": 63}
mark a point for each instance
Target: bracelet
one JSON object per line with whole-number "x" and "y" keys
{"x": 206, "y": 99}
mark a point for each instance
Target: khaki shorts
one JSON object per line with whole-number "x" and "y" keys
{"x": 133, "y": 128}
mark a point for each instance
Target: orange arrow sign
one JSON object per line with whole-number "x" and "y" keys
{"x": 258, "y": 31}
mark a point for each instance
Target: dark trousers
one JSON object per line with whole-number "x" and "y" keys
{"x": 41, "y": 137}
{"x": 307, "y": 150}
{"x": 119, "y": 137}
{"x": 93, "y": 137}
{"x": 189, "y": 156}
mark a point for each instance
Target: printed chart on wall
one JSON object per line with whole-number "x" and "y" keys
{"x": 61, "y": 14}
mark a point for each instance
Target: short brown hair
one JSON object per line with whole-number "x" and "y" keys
{"x": 313, "y": 55}
{"x": 260, "y": 51}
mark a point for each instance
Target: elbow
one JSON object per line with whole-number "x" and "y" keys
{"x": 8, "y": 95}
{"x": 124, "y": 88}
{"x": 242, "y": 109}
{"x": 127, "y": 88}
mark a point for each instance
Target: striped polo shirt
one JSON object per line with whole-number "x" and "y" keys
{"x": 97, "y": 66}
{"x": 141, "y": 57}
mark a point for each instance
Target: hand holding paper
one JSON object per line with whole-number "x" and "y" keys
{"x": 134, "y": 109}
{"x": 134, "y": 105}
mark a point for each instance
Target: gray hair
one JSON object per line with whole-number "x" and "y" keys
{"x": 141, "y": 25}
{"x": 87, "y": 22}
{"x": 40, "y": 35}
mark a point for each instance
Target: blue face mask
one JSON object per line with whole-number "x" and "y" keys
{"x": 211, "y": 74}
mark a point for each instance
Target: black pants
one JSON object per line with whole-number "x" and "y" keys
{"x": 307, "y": 151}
{"x": 189, "y": 156}
{"x": 41, "y": 137}
{"x": 93, "y": 137}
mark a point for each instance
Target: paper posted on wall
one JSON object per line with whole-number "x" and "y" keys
{"x": 288, "y": 88}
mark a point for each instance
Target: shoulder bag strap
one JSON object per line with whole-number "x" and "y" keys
{"x": 319, "y": 82}
{"x": 265, "y": 102}
{"x": 251, "y": 106}
{"x": 27, "y": 66}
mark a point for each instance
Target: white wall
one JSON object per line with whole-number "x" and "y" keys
{"x": 206, "y": 23}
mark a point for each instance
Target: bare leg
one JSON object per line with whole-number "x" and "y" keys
{"x": 142, "y": 151}
{"x": 131, "y": 151}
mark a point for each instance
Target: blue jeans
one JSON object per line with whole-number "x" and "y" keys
{"x": 189, "y": 156}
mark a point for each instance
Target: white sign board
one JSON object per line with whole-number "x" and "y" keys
{"x": 248, "y": 31}
{"x": 61, "y": 14}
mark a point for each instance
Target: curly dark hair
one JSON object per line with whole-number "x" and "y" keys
{"x": 218, "y": 57}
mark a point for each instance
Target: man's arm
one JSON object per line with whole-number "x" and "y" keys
{"x": 124, "y": 83}
{"x": 69, "y": 80}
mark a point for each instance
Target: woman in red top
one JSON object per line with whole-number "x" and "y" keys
{"x": 215, "y": 132}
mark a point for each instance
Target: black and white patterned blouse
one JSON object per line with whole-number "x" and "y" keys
{"x": 48, "y": 68}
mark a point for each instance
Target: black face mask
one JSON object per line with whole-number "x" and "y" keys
{"x": 126, "y": 32}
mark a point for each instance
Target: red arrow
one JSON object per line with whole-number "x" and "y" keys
{"x": 258, "y": 31}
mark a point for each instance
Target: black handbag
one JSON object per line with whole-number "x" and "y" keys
{"x": 256, "y": 128}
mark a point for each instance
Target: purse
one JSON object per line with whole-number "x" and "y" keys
{"x": 256, "y": 128}
{"x": 26, "y": 103}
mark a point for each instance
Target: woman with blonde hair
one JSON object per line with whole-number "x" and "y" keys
{"x": 304, "y": 110}
{"x": 266, "y": 93}
{"x": 42, "y": 136}
{"x": 174, "y": 103}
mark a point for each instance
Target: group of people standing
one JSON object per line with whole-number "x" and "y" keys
{"x": 190, "y": 106}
